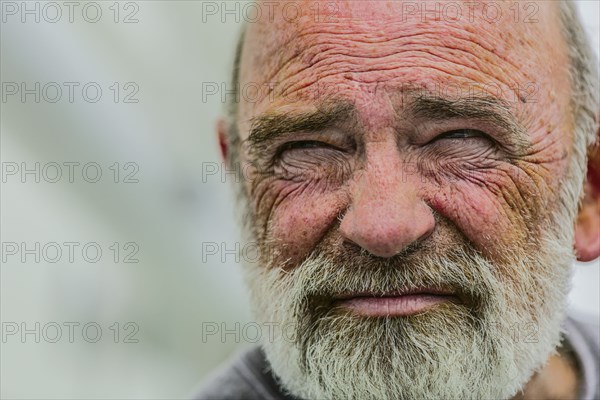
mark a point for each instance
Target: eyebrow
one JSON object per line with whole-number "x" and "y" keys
{"x": 421, "y": 106}
{"x": 269, "y": 126}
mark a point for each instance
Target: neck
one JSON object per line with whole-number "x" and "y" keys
{"x": 558, "y": 379}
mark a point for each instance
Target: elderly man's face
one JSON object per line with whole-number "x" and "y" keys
{"x": 417, "y": 159}
{"x": 390, "y": 159}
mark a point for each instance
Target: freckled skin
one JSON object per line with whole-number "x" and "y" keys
{"x": 382, "y": 191}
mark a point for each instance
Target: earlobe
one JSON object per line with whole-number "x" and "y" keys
{"x": 223, "y": 138}
{"x": 587, "y": 229}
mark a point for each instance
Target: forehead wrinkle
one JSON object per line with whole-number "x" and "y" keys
{"x": 348, "y": 53}
{"x": 295, "y": 52}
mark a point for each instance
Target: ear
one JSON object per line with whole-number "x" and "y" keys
{"x": 223, "y": 138}
{"x": 587, "y": 229}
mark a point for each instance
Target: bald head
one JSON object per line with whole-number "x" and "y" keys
{"x": 540, "y": 31}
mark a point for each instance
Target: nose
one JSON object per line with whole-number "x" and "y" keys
{"x": 386, "y": 214}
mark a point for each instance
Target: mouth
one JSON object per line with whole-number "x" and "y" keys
{"x": 397, "y": 304}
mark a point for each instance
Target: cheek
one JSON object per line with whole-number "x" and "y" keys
{"x": 299, "y": 216}
{"x": 493, "y": 210}
{"x": 475, "y": 211}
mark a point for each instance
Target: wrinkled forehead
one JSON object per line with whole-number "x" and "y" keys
{"x": 342, "y": 44}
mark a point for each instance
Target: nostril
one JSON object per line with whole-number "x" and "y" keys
{"x": 352, "y": 246}
{"x": 383, "y": 235}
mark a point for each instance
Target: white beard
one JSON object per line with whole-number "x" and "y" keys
{"x": 449, "y": 352}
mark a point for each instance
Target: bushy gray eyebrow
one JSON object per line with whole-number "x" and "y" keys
{"x": 269, "y": 126}
{"x": 510, "y": 132}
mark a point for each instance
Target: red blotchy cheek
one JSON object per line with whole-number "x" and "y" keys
{"x": 476, "y": 213}
{"x": 298, "y": 223}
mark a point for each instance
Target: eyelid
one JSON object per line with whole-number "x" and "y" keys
{"x": 311, "y": 144}
{"x": 466, "y": 133}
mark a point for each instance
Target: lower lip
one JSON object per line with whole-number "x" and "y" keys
{"x": 397, "y": 306}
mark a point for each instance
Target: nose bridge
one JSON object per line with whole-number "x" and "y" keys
{"x": 386, "y": 213}
{"x": 380, "y": 180}
{"x": 383, "y": 193}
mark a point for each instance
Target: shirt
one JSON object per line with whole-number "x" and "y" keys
{"x": 248, "y": 376}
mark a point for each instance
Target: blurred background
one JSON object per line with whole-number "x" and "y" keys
{"x": 118, "y": 231}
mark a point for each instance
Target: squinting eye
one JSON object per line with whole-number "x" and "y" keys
{"x": 461, "y": 134}
{"x": 305, "y": 145}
